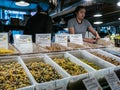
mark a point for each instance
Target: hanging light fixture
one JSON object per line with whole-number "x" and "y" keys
{"x": 98, "y": 22}
{"x": 118, "y": 3}
{"x": 88, "y": 0}
{"x": 22, "y": 3}
{"x": 98, "y": 13}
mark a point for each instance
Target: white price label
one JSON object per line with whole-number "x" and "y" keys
{"x": 76, "y": 38}
{"x": 113, "y": 81}
{"x": 4, "y": 40}
{"x": 43, "y": 39}
{"x": 92, "y": 84}
{"x": 61, "y": 39}
{"x": 23, "y": 43}
{"x": 22, "y": 39}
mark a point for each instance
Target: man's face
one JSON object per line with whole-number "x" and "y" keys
{"x": 81, "y": 14}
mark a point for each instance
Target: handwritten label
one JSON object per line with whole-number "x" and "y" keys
{"x": 43, "y": 39}
{"x": 76, "y": 38}
{"x": 92, "y": 84}
{"x": 113, "y": 81}
{"x": 23, "y": 43}
{"x": 61, "y": 39}
{"x": 4, "y": 40}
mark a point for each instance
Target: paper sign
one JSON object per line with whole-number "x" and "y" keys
{"x": 43, "y": 39}
{"x": 76, "y": 38}
{"x": 4, "y": 40}
{"x": 23, "y": 43}
{"x": 61, "y": 39}
{"x": 113, "y": 81}
{"x": 92, "y": 84}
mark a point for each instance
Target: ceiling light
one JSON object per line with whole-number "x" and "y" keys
{"x": 88, "y": 0}
{"x": 22, "y": 3}
{"x": 98, "y": 22}
{"x": 118, "y": 3}
{"x": 97, "y": 15}
{"x": 118, "y": 18}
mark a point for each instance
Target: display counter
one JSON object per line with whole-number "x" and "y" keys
{"x": 57, "y": 69}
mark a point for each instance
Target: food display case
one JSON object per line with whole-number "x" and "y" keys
{"x": 10, "y": 51}
{"x": 62, "y": 69}
{"x": 91, "y": 60}
{"x": 45, "y": 73}
{"x": 106, "y": 56}
{"x": 13, "y": 71}
{"x": 70, "y": 64}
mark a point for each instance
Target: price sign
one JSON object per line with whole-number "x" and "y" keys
{"x": 113, "y": 81}
{"x": 76, "y": 38}
{"x": 92, "y": 84}
{"x": 23, "y": 43}
{"x": 4, "y": 40}
{"x": 61, "y": 39}
{"x": 43, "y": 39}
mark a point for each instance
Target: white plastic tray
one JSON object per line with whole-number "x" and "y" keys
{"x": 60, "y": 84}
{"x": 101, "y": 73}
{"x": 90, "y": 57}
{"x": 78, "y": 77}
{"x": 17, "y": 59}
{"x": 28, "y": 88}
{"x": 50, "y": 85}
{"x": 106, "y": 54}
{"x": 72, "y": 59}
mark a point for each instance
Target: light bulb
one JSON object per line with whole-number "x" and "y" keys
{"x": 118, "y": 3}
{"x": 98, "y": 22}
{"x": 97, "y": 15}
{"x": 22, "y": 3}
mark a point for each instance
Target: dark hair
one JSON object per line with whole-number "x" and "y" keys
{"x": 40, "y": 9}
{"x": 77, "y": 9}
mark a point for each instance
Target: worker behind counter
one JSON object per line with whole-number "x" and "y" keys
{"x": 79, "y": 25}
{"x": 40, "y": 23}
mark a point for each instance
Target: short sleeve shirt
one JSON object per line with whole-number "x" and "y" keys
{"x": 80, "y": 28}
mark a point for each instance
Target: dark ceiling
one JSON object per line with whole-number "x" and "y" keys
{"x": 65, "y": 8}
{"x": 109, "y": 9}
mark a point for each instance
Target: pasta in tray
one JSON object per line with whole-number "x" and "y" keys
{"x": 12, "y": 76}
{"x": 69, "y": 66}
{"x": 42, "y": 71}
